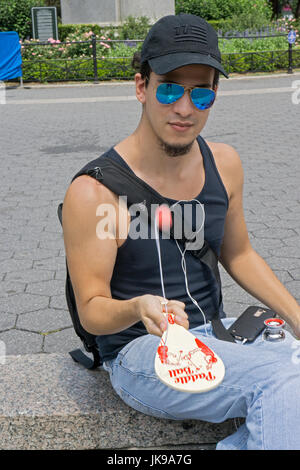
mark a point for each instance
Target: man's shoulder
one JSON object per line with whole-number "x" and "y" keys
{"x": 225, "y": 154}
{"x": 86, "y": 193}
{"x": 85, "y": 187}
{"x": 229, "y": 165}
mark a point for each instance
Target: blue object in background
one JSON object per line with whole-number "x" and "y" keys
{"x": 10, "y": 55}
{"x": 292, "y": 37}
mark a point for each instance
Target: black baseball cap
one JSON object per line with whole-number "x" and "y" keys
{"x": 178, "y": 40}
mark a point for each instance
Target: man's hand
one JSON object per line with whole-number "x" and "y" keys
{"x": 151, "y": 308}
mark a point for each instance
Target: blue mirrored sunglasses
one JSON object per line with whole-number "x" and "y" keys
{"x": 168, "y": 93}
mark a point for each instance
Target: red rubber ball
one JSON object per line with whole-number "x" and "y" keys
{"x": 164, "y": 217}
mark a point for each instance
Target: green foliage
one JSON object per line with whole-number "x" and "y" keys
{"x": 77, "y": 69}
{"x": 222, "y": 9}
{"x": 244, "y": 21}
{"x": 131, "y": 28}
{"x": 270, "y": 61}
{"x": 134, "y": 28}
{"x": 15, "y": 15}
{"x": 232, "y": 46}
{"x": 120, "y": 68}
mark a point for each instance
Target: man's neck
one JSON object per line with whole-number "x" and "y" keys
{"x": 146, "y": 156}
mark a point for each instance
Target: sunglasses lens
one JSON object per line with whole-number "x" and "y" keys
{"x": 168, "y": 93}
{"x": 203, "y": 98}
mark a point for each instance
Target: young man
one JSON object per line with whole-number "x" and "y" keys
{"x": 116, "y": 278}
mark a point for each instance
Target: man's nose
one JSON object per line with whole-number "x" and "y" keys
{"x": 184, "y": 106}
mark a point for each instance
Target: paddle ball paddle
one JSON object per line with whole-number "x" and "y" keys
{"x": 182, "y": 361}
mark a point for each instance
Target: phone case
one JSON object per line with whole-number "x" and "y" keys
{"x": 250, "y": 323}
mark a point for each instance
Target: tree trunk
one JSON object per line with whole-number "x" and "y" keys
{"x": 275, "y": 7}
{"x": 297, "y": 14}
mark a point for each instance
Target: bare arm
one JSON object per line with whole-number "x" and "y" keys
{"x": 242, "y": 262}
{"x": 91, "y": 256}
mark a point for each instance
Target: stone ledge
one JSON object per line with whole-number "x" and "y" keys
{"x": 50, "y": 402}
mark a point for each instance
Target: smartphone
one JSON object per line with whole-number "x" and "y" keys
{"x": 250, "y": 323}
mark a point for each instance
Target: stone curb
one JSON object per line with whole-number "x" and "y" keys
{"x": 48, "y": 402}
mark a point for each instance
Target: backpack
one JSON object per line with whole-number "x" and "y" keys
{"x": 124, "y": 183}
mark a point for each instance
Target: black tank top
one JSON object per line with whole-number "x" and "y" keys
{"x": 136, "y": 270}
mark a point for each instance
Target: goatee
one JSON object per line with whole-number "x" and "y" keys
{"x": 175, "y": 150}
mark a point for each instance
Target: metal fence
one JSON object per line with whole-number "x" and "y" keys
{"x": 97, "y": 67}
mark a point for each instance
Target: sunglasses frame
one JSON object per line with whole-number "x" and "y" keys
{"x": 189, "y": 90}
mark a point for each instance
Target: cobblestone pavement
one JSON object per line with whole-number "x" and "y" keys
{"x": 48, "y": 134}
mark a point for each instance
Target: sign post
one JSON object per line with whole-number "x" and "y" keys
{"x": 291, "y": 40}
{"x": 44, "y": 23}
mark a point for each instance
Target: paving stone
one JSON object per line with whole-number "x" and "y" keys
{"x": 45, "y": 321}
{"x": 25, "y": 244}
{"x": 295, "y": 273}
{"x": 36, "y": 254}
{"x": 21, "y": 342}
{"x": 50, "y": 264}
{"x": 30, "y": 275}
{"x": 11, "y": 265}
{"x": 22, "y": 303}
{"x": 48, "y": 288}
{"x": 274, "y": 233}
{"x": 63, "y": 341}
{"x": 10, "y": 288}
{"x": 264, "y": 245}
{"x": 7, "y": 321}
{"x": 285, "y": 264}
{"x": 4, "y": 255}
{"x": 58, "y": 301}
{"x": 239, "y": 294}
{"x": 294, "y": 288}
{"x": 60, "y": 274}
{"x": 235, "y": 309}
{"x": 286, "y": 252}
{"x": 50, "y": 236}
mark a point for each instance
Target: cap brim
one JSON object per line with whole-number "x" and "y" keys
{"x": 167, "y": 63}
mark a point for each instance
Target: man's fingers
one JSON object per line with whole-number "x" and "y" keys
{"x": 154, "y": 328}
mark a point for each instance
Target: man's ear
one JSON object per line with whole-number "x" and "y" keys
{"x": 140, "y": 87}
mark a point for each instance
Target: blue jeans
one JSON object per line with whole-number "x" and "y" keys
{"x": 261, "y": 384}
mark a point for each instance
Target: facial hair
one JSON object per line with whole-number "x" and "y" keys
{"x": 175, "y": 150}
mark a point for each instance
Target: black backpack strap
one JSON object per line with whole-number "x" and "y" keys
{"x": 88, "y": 340}
{"x": 125, "y": 183}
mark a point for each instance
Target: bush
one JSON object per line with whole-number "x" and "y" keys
{"x": 131, "y": 28}
{"x": 66, "y": 30}
{"x": 134, "y": 28}
{"x": 15, "y": 15}
{"x": 222, "y": 9}
{"x": 244, "y": 21}
{"x": 76, "y": 69}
